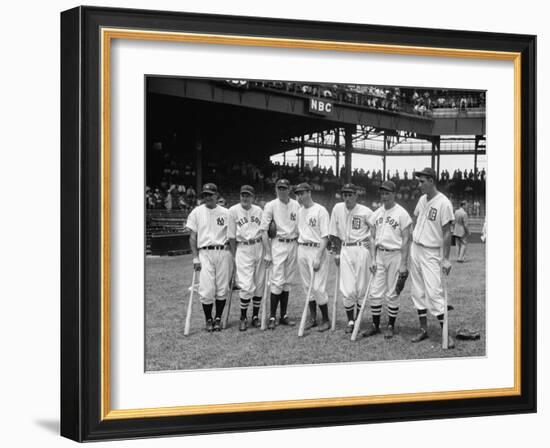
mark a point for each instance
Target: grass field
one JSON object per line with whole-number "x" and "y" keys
{"x": 166, "y": 296}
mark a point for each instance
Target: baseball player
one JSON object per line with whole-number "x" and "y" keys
{"x": 212, "y": 253}
{"x": 391, "y": 228}
{"x": 244, "y": 230}
{"x": 350, "y": 231}
{"x": 432, "y": 234}
{"x": 313, "y": 223}
{"x": 281, "y": 253}
{"x": 461, "y": 231}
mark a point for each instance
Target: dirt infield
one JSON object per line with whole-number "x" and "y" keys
{"x": 166, "y": 296}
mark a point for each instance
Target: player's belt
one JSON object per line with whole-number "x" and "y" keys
{"x": 250, "y": 242}
{"x": 310, "y": 244}
{"x": 383, "y": 249}
{"x": 213, "y": 247}
{"x": 357, "y": 243}
{"x": 286, "y": 240}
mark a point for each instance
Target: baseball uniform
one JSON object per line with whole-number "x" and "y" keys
{"x": 244, "y": 227}
{"x": 388, "y": 225}
{"x": 211, "y": 227}
{"x": 431, "y": 217}
{"x": 284, "y": 245}
{"x": 352, "y": 227}
{"x": 313, "y": 226}
{"x": 460, "y": 232}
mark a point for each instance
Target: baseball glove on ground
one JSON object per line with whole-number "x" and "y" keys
{"x": 272, "y": 231}
{"x": 401, "y": 279}
{"x": 467, "y": 335}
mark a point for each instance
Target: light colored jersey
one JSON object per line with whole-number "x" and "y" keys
{"x": 313, "y": 223}
{"x": 209, "y": 224}
{"x": 431, "y": 216}
{"x": 284, "y": 215}
{"x": 389, "y": 226}
{"x": 461, "y": 222}
{"x": 244, "y": 225}
{"x": 351, "y": 226}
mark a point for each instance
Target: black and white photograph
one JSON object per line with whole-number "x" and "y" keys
{"x": 295, "y": 223}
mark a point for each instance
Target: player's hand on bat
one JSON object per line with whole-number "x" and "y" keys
{"x": 403, "y": 269}
{"x": 268, "y": 260}
{"x": 446, "y": 267}
{"x": 372, "y": 269}
{"x": 337, "y": 260}
{"x": 197, "y": 265}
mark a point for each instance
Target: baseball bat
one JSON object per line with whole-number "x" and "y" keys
{"x": 336, "y": 289}
{"x": 357, "y": 323}
{"x": 190, "y": 306}
{"x": 445, "y": 331}
{"x": 264, "y": 301}
{"x": 304, "y": 313}
{"x": 226, "y": 317}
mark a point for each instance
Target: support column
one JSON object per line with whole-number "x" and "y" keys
{"x": 475, "y": 154}
{"x": 386, "y": 143}
{"x": 302, "y": 154}
{"x": 349, "y": 145}
{"x": 198, "y": 164}
{"x": 432, "y": 161}
{"x": 337, "y": 143}
{"x": 438, "y": 156}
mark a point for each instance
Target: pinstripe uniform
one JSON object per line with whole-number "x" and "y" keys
{"x": 211, "y": 226}
{"x": 313, "y": 223}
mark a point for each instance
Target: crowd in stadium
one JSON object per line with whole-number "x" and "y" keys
{"x": 394, "y": 99}
{"x": 176, "y": 191}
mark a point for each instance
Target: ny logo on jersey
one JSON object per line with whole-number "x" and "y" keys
{"x": 293, "y": 216}
{"x": 220, "y": 221}
{"x": 312, "y": 222}
{"x": 356, "y": 223}
{"x": 432, "y": 214}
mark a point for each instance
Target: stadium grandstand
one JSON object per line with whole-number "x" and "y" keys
{"x": 235, "y": 132}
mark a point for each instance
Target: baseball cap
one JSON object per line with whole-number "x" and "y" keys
{"x": 248, "y": 189}
{"x": 209, "y": 189}
{"x": 283, "y": 183}
{"x": 387, "y": 186}
{"x": 304, "y": 186}
{"x": 349, "y": 188}
{"x": 428, "y": 172}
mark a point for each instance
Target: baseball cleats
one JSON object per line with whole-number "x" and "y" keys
{"x": 371, "y": 331}
{"x": 286, "y": 321}
{"x": 217, "y": 324}
{"x": 209, "y": 326}
{"x": 311, "y": 323}
{"x": 423, "y": 334}
{"x": 243, "y": 325}
{"x": 349, "y": 327}
{"x": 388, "y": 333}
{"x": 325, "y": 325}
{"x": 271, "y": 324}
{"x": 256, "y": 322}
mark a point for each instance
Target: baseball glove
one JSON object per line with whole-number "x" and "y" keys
{"x": 467, "y": 335}
{"x": 401, "y": 279}
{"x": 272, "y": 231}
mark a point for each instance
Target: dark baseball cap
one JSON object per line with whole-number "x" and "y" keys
{"x": 387, "y": 186}
{"x": 428, "y": 172}
{"x": 248, "y": 189}
{"x": 209, "y": 189}
{"x": 349, "y": 188}
{"x": 283, "y": 183}
{"x": 304, "y": 186}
